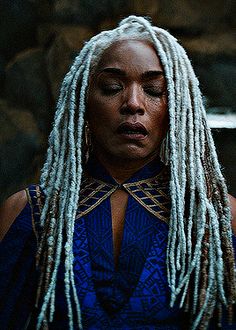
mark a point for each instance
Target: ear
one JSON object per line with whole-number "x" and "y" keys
{"x": 232, "y": 202}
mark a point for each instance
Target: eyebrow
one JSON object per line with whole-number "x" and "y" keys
{"x": 145, "y": 75}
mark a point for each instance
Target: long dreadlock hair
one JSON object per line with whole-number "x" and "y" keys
{"x": 199, "y": 253}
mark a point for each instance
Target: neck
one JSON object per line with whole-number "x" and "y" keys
{"x": 122, "y": 169}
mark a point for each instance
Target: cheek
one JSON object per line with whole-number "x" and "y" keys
{"x": 160, "y": 116}
{"x": 94, "y": 109}
{"x": 160, "y": 124}
{"x": 103, "y": 112}
{"x": 101, "y": 118}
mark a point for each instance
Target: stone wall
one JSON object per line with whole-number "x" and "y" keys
{"x": 39, "y": 39}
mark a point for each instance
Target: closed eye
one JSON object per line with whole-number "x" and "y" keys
{"x": 155, "y": 92}
{"x": 111, "y": 89}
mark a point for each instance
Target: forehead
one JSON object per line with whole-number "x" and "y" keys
{"x": 139, "y": 54}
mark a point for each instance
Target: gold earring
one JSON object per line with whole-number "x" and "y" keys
{"x": 88, "y": 141}
{"x": 165, "y": 150}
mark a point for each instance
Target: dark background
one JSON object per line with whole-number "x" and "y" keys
{"x": 39, "y": 39}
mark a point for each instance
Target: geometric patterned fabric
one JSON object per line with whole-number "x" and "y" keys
{"x": 113, "y": 286}
{"x": 150, "y": 191}
{"x": 133, "y": 296}
{"x": 136, "y": 294}
{"x": 18, "y": 275}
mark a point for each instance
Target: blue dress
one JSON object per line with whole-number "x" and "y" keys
{"x": 134, "y": 295}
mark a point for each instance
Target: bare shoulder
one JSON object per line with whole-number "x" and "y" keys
{"x": 232, "y": 201}
{"x": 10, "y": 209}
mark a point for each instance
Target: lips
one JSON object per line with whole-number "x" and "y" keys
{"x": 132, "y": 130}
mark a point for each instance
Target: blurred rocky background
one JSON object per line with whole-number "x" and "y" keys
{"x": 39, "y": 39}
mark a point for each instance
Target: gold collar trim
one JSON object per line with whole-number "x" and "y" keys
{"x": 152, "y": 194}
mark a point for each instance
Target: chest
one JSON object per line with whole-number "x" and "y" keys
{"x": 135, "y": 289}
{"x": 118, "y": 201}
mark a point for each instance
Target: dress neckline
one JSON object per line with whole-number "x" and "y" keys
{"x": 148, "y": 186}
{"x": 148, "y": 191}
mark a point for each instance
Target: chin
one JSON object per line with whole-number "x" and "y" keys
{"x": 132, "y": 154}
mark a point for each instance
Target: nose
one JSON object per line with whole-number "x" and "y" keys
{"x": 133, "y": 101}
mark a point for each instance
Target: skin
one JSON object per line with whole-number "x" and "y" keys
{"x": 10, "y": 209}
{"x": 128, "y": 86}
{"x": 129, "y": 101}
{"x": 232, "y": 202}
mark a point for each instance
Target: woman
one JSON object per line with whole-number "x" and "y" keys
{"x": 124, "y": 241}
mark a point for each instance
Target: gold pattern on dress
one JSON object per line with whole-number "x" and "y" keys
{"x": 150, "y": 198}
{"x": 92, "y": 193}
{"x": 39, "y": 203}
{"x": 32, "y": 213}
{"x": 151, "y": 193}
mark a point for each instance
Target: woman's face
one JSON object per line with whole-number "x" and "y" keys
{"x": 127, "y": 102}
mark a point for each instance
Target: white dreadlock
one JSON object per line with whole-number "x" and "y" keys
{"x": 201, "y": 224}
